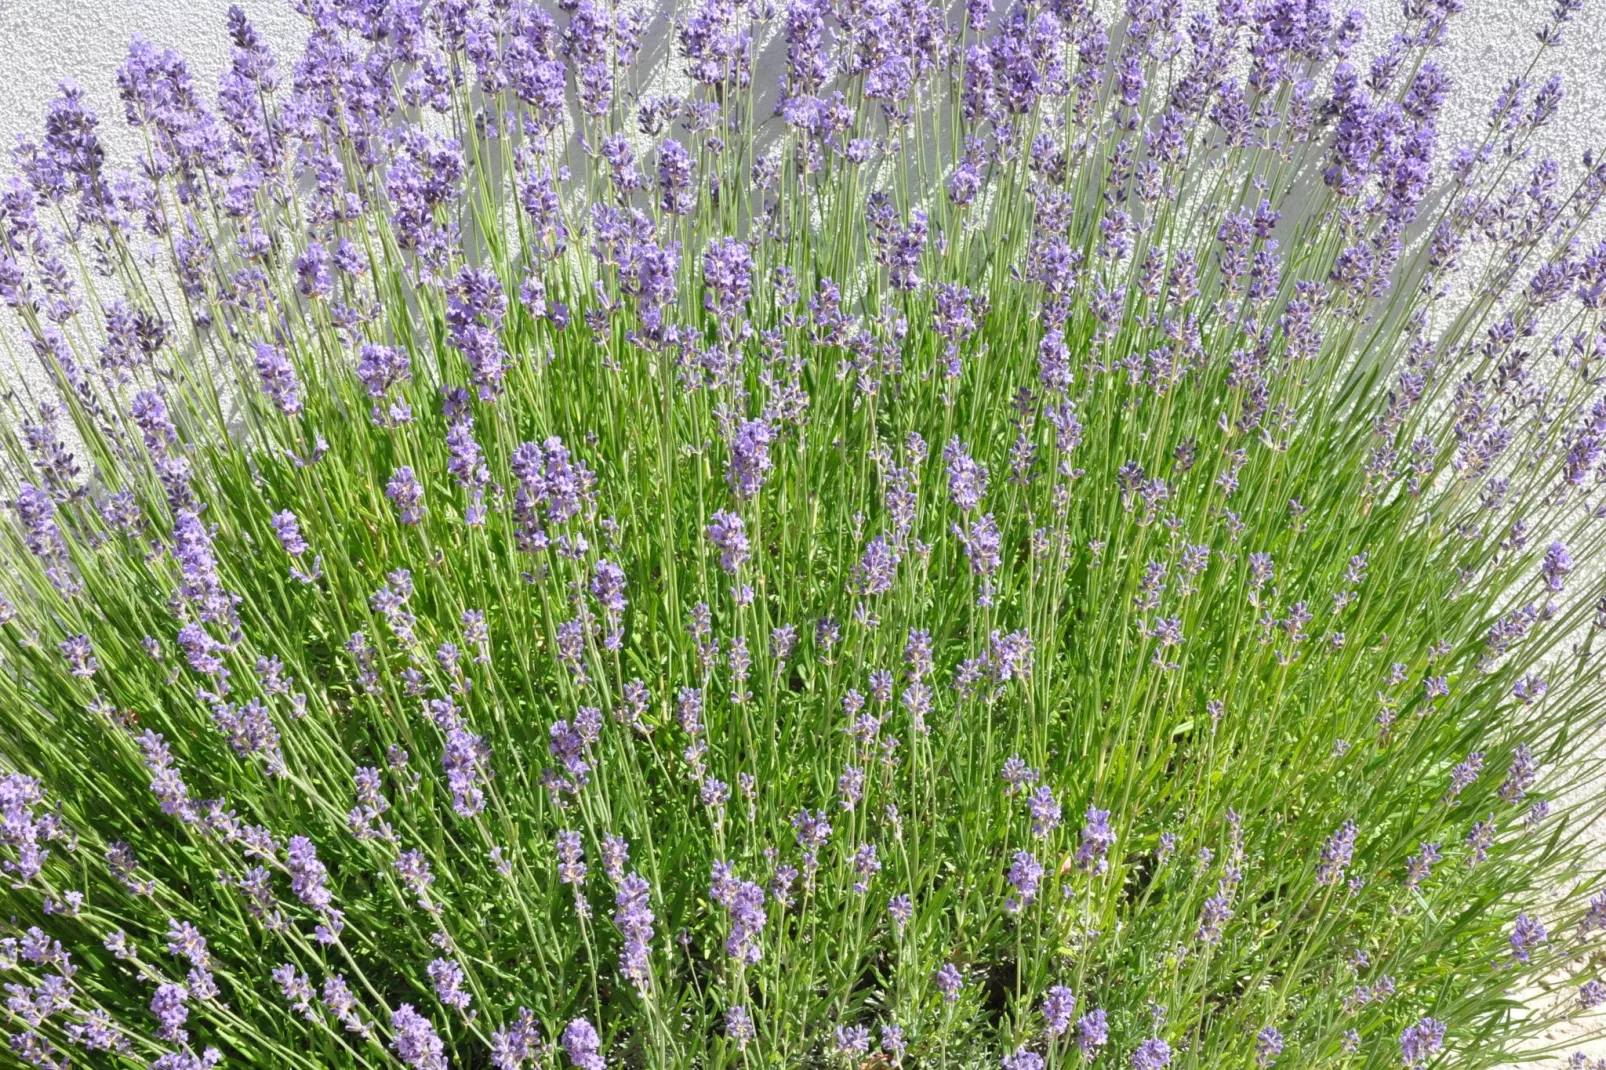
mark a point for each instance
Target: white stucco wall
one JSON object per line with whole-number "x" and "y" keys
{"x": 44, "y": 41}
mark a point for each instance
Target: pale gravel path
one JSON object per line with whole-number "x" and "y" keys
{"x": 45, "y": 41}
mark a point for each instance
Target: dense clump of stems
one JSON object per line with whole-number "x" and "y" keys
{"x": 821, "y": 534}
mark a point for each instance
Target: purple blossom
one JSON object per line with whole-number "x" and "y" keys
{"x": 338, "y": 998}
{"x": 983, "y": 544}
{"x": 582, "y": 1045}
{"x": 949, "y": 981}
{"x": 447, "y": 977}
{"x": 1557, "y": 566}
{"x": 415, "y": 1041}
{"x": 516, "y": 1044}
{"x": 729, "y": 535}
{"x": 1268, "y": 1045}
{"x": 615, "y": 853}
{"x": 1022, "y": 1059}
{"x": 571, "y": 859}
{"x": 407, "y": 494}
{"x": 415, "y": 873}
{"x": 1025, "y": 876}
{"x": 1464, "y": 773}
{"x": 744, "y": 902}
{"x": 634, "y": 917}
{"x": 749, "y": 458}
{"x": 465, "y": 759}
{"x": 1152, "y": 1054}
{"x": 1097, "y": 839}
{"x": 314, "y": 279}
{"x": 1527, "y": 933}
{"x": 1336, "y": 854}
{"x": 80, "y": 656}
{"x": 1059, "y": 1007}
{"x": 1480, "y": 838}
{"x": 279, "y": 380}
{"x": 1419, "y": 867}
{"x": 307, "y": 874}
{"x": 168, "y": 1005}
{"x": 36, "y": 510}
{"x": 967, "y": 480}
{"x": 852, "y": 1040}
{"x": 1524, "y": 772}
{"x": 865, "y": 866}
{"x": 288, "y": 529}
{"x": 1092, "y": 1032}
{"x": 727, "y": 276}
{"x": 1215, "y": 915}
{"x": 1045, "y": 811}
{"x": 1420, "y": 1041}
{"x": 893, "y": 1042}
{"x": 380, "y": 369}
{"x": 876, "y": 570}
{"x": 739, "y": 1028}
{"x": 677, "y": 173}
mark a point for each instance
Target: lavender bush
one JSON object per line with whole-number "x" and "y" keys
{"x": 1037, "y": 541}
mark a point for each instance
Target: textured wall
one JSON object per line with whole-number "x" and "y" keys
{"x": 45, "y": 41}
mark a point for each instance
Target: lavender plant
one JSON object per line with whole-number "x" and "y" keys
{"x": 1030, "y": 541}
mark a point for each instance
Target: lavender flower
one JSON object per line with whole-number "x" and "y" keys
{"x": 876, "y": 570}
{"x": 852, "y": 1040}
{"x": 1464, "y": 773}
{"x": 1268, "y": 1045}
{"x": 1419, "y": 867}
{"x": 744, "y": 902}
{"x": 415, "y": 1041}
{"x": 1092, "y": 1032}
{"x": 1336, "y": 854}
{"x": 582, "y": 1045}
{"x": 516, "y": 1044}
{"x": 967, "y": 480}
{"x": 571, "y": 859}
{"x": 447, "y": 977}
{"x": 1152, "y": 1054}
{"x": 1022, "y": 1059}
{"x": 1420, "y": 1041}
{"x": 1527, "y": 933}
{"x": 1059, "y": 1007}
{"x": 865, "y": 865}
{"x": 1025, "y": 876}
{"x": 739, "y": 1028}
{"x": 288, "y": 529}
{"x": 1557, "y": 565}
{"x": 168, "y": 1005}
{"x": 749, "y": 458}
{"x": 1524, "y": 771}
{"x": 1097, "y": 839}
{"x": 80, "y": 656}
{"x": 407, "y": 494}
{"x": 901, "y": 908}
{"x": 279, "y": 380}
{"x": 728, "y": 276}
{"x": 949, "y": 981}
{"x": 1045, "y": 811}
{"x": 729, "y": 536}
